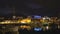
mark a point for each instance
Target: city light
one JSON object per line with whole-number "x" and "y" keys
{"x": 25, "y": 27}
{"x": 42, "y": 22}
{"x": 26, "y": 21}
{"x": 44, "y": 18}
{"x": 37, "y": 17}
{"x": 47, "y": 27}
{"x": 37, "y": 29}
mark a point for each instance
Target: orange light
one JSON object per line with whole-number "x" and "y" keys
{"x": 24, "y": 26}
{"x": 26, "y": 21}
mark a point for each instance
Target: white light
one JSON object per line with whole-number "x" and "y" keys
{"x": 44, "y": 18}
{"x": 14, "y": 16}
{"x": 23, "y": 22}
{"x": 37, "y": 29}
{"x": 47, "y": 27}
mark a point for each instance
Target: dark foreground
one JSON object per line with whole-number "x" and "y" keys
{"x": 39, "y": 32}
{"x": 36, "y": 32}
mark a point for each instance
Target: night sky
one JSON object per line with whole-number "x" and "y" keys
{"x": 30, "y": 7}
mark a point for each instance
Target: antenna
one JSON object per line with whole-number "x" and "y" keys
{"x": 13, "y": 11}
{"x": 14, "y": 16}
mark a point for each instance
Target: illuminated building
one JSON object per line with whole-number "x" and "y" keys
{"x": 37, "y": 17}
